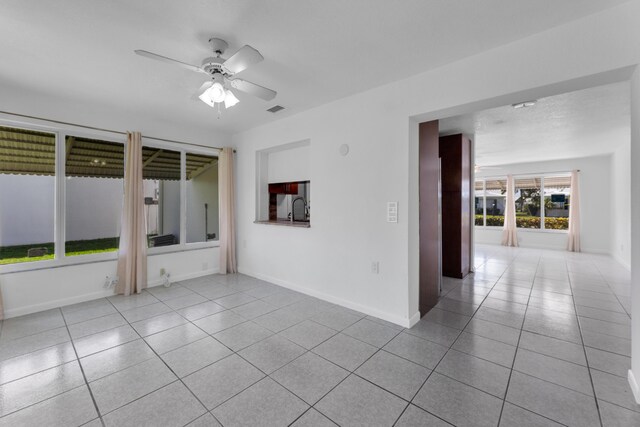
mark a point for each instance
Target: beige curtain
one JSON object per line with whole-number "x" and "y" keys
{"x": 132, "y": 254}
{"x": 574, "y": 215}
{"x": 509, "y": 233}
{"x": 227, "y": 201}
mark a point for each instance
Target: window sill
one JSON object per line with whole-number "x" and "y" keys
{"x": 102, "y": 257}
{"x": 285, "y": 223}
{"x": 526, "y": 230}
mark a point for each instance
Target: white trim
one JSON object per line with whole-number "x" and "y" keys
{"x": 100, "y": 257}
{"x": 405, "y": 322}
{"x": 186, "y": 276}
{"x": 624, "y": 263}
{"x": 414, "y": 319}
{"x": 95, "y": 295}
{"x": 526, "y": 230}
{"x": 634, "y": 386}
{"x": 56, "y": 303}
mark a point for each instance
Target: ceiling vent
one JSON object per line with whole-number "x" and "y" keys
{"x": 275, "y": 108}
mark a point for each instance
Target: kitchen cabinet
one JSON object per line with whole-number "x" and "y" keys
{"x": 283, "y": 188}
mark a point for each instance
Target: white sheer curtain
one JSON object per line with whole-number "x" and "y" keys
{"x": 574, "y": 215}
{"x": 509, "y": 233}
{"x": 227, "y": 212}
{"x": 132, "y": 253}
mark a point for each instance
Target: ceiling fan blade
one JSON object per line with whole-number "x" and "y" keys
{"x": 168, "y": 60}
{"x": 253, "y": 89}
{"x": 200, "y": 91}
{"x": 242, "y": 59}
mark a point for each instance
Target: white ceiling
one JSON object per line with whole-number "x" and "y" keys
{"x": 316, "y": 51}
{"x": 584, "y": 123}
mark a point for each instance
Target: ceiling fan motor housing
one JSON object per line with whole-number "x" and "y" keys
{"x": 213, "y": 65}
{"x": 218, "y": 45}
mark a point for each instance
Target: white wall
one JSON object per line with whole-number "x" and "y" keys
{"x": 634, "y": 374}
{"x": 289, "y": 165}
{"x": 94, "y": 207}
{"x": 621, "y": 205}
{"x": 31, "y": 220}
{"x": 169, "y": 202}
{"x": 37, "y": 290}
{"x": 595, "y": 205}
{"x": 332, "y": 259}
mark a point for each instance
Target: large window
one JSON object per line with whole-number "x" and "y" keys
{"x": 27, "y": 195}
{"x": 494, "y": 197}
{"x": 557, "y": 195}
{"x": 161, "y": 174}
{"x": 94, "y": 188}
{"x": 541, "y": 202}
{"x": 527, "y": 200}
{"x": 202, "y": 198}
{"x": 61, "y": 196}
{"x": 479, "y": 203}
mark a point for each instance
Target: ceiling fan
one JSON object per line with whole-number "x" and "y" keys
{"x": 221, "y": 72}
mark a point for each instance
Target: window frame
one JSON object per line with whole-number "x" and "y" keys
{"x": 542, "y": 177}
{"x": 61, "y": 131}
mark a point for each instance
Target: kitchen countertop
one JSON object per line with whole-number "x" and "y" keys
{"x": 286, "y": 223}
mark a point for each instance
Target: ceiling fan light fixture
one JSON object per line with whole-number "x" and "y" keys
{"x": 213, "y": 94}
{"x": 216, "y": 92}
{"x": 230, "y": 99}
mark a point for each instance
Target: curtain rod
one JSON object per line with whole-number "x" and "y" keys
{"x": 105, "y": 130}
{"x": 524, "y": 174}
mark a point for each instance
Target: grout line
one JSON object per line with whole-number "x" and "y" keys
{"x": 84, "y": 376}
{"x": 515, "y": 355}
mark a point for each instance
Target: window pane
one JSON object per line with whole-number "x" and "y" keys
{"x": 27, "y": 190}
{"x": 202, "y": 198}
{"x": 527, "y": 199}
{"x": 94, "y": 188}
{"x": 479, "y": 211}
{"x": 495, "y": 191}
{"x": 161, "y": 174}
{"x": 479, "y": 202}
{"x": 557, "y": 195}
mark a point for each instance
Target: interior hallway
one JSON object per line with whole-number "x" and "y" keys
{"x": 535, "y": 337}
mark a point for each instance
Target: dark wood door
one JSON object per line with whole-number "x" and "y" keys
{"x": 455, "y": 158}
{"x": 428, "y": 222}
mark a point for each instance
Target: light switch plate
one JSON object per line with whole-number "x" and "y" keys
{"x": 392, "y": 211}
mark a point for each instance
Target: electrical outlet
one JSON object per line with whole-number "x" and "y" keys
{"x": 375, "y": 267}
{"x": 110, "y": 282}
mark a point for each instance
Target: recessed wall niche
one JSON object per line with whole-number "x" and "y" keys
{"x": 283, "y": 184}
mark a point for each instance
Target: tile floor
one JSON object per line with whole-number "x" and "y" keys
{"x": 532, "y": 338}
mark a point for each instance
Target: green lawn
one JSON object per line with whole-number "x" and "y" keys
{"x": 16, "y": 254}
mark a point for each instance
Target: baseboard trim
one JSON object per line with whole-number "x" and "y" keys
{"x": 414, "y": 319}
{"x": 634, "y": 386}
{"x": 624, "y": 263}
{"x": 103, "y": 293}
{"x": 405, "y": 322}
{"x": 57, "y": 303}
{"x": 181, "y": 277}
